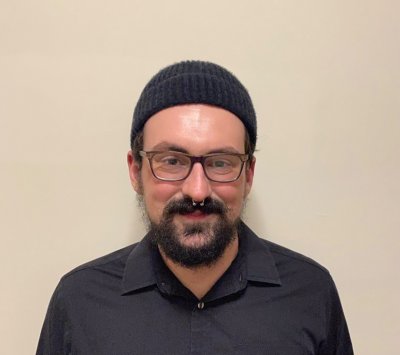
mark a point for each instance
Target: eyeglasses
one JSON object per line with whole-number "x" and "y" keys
{"x": 176, "y": 166}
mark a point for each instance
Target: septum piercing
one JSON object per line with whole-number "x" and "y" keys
{"x": 194, "y": 203}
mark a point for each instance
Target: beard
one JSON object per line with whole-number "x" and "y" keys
{"x": 194, "y": 244}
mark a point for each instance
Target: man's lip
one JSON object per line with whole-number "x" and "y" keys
{"x": 195, "y": 215}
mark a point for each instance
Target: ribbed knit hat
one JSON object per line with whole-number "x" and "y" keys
{"x": 190, "y": 82}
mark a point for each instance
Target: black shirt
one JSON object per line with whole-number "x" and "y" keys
{"x": 270, "y": 301}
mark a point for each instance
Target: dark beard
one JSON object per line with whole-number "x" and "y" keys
{"x": 217, "y": 236}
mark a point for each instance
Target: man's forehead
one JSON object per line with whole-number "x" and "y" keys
{"x": 194, "y": 115}
{"x": 182, "y": 126}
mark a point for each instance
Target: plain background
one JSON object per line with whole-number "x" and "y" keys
{"x": 324, "y": 77}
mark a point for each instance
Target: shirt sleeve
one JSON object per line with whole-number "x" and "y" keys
{"x": 338, "y": 340}
{"x": 55, "y": 335}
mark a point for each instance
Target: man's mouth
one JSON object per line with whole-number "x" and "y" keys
{"x": 184, "y": 210}
{"x": 195, "y": 215}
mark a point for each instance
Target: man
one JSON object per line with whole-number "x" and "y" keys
{"x": 200, "y": 282}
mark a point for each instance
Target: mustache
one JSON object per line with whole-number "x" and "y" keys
{"x": 185, "y": 206}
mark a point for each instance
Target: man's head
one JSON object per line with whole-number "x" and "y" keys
{"x": 193, "y": 137}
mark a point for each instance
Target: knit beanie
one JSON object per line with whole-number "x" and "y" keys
{"x": 191, "y": 82}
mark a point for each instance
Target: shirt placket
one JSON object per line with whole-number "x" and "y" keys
{"x": 200, "y": 328}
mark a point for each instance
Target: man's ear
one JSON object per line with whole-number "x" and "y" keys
{"x": 134, "y": 172}
{"x": 250, "y": 175}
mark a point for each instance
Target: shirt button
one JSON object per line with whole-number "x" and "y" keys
{"x": 200, "y": 305}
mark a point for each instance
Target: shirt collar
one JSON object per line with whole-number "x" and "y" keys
{"x": 144, "y": 262}
{"x": 140, "y": 267}
{"x": 260, "y": 262}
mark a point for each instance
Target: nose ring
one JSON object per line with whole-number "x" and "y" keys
{"x": 194, "y": 203}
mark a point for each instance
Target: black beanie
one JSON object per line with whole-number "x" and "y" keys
{"x": 191, "y": 82}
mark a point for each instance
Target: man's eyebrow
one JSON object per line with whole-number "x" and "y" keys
{"x": 225, "y": 150}
{"x": 169, "y": 146}
{"x": 177, "y": 148}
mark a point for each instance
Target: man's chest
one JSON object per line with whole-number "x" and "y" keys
{"x": 257, "y": 322}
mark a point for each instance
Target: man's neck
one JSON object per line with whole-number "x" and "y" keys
{"x": 200, "y": 280}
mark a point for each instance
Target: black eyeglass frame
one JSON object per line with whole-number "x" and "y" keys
{"x": 193, "y": 159}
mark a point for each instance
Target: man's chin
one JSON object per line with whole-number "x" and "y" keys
{"x": 194, "y": 240}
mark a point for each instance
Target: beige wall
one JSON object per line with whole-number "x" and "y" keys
{"x": 325, "y": 80}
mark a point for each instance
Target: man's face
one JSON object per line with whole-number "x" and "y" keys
{"x": 197, "y": 130}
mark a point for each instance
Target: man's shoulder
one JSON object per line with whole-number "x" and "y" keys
{"x": 291, "y": 267}
{"x": 111, "y": 266}
{"x": 282, "y": 254}
{"x": 298, "y": 270}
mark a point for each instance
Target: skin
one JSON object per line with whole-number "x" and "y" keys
{"x": 195, "y": 129}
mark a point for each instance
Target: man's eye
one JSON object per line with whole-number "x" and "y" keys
{"x": 172, "y": 161}
{"x": 220, "y": 164}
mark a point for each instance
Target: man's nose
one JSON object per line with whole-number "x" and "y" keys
{"x": 196, "y": 185}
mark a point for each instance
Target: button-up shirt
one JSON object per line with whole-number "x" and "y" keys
{"x": 270, "y": 301}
